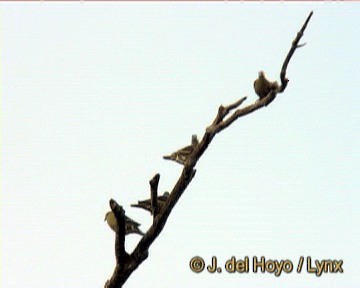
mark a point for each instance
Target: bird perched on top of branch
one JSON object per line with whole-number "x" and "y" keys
{"x": 181, "y": 155}
{"x": 263, "y": 86}
{"x": 131, "y": 226}
{"x": 146, "y": 204}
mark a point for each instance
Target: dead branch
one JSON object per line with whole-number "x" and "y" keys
{"x": 120, "y": 253}
{"x": 294, "y": 46}
{"x": 154, "y": 191}
{"x": 126, "y": 263}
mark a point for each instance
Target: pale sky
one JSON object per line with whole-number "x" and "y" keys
{"x": 94, "y": 94}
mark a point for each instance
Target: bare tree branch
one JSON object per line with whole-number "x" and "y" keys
{"x": 154, "y": 191}
{"x": 126, "y": 264}
{"x": 294, "y": 46}
{"x": 121, "y": 256}
{"x": 223, "y": 111}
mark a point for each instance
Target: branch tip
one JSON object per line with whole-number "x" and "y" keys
{"x": 301, "y": 45}
{"x": 155, "y": 179}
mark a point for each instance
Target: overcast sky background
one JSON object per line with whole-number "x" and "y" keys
{"x": 93, "y": 94}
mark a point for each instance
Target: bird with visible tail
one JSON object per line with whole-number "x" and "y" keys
{"x": 263, "y": 86}
{"x": 146, "y": 204}
{"x": 181, "y": 155}
{"x": 131, "y": 226}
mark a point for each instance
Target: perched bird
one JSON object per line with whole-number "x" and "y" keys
{"x": 146, "y": 204}
{"x": 131, "y": 226}
{"x": 263, "y": 86}
{"x": 181, "y": 155}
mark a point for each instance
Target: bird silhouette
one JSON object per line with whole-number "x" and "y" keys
{"x": 131, "y": 226}
{"x": 181, "y": 155}
{"x": 263, "y": 86}
{"x": 146, "y": 204}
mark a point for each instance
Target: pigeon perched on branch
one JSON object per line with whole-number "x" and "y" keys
{"x": 263, "y": 86}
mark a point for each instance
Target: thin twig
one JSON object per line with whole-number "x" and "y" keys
{"x": 154, "y": 182}
{"x": 294, "y": 46}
